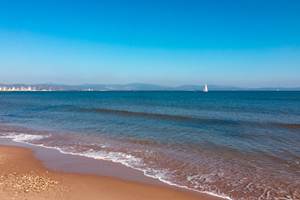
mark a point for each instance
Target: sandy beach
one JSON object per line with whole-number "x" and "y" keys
{"x": 23, "y": 176}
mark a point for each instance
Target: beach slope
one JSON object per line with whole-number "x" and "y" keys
{"x": 22, "y": 176}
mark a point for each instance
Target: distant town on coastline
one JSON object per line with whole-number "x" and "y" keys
{"x": 129, "y": 87}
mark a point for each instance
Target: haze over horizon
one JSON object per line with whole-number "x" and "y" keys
{"x": 232, "y": 43}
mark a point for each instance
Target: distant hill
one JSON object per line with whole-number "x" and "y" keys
{"x": 140, "y": 87}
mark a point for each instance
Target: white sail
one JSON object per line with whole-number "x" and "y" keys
{"x": 205, "y": 89}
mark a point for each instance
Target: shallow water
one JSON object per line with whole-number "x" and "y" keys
{"x": 244, "y": 145}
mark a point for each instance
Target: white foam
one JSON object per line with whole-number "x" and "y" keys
{"x": 22, "y": 137}
{"x": 116, "y": 157}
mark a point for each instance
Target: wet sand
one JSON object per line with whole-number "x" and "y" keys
{"x": 23, "y": 176}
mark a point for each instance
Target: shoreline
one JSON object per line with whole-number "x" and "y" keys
{"x": 57, "y": 159}
{"x": 102, "y": 171}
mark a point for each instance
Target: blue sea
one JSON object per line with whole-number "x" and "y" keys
{"x": 242, "y": 145}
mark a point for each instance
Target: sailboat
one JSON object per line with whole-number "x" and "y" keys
{"x": 205, "y": 88}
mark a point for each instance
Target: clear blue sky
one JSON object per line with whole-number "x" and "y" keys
{"x": 169, "y": 42}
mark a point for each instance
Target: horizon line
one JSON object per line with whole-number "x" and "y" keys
{"x": 153, "y": 84}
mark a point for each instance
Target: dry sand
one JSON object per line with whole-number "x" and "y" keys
{"x": 24, "y": 177}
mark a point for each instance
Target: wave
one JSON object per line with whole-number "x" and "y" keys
{"x": 154, "y": 163}
{"x": 159, "y": 116}
{"x": 180, "y": 119}
{"x": 189, "y": 119}
{"x": 116, "y": 157}
{"x": 22, "y": 137}
{"x": 289, "y": 126}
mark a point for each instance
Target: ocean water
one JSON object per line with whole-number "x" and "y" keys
{"x": 241, "y": 145}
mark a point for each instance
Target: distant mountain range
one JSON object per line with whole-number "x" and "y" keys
{"x": 138, "y": 87}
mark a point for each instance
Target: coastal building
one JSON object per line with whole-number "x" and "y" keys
{"x": 17, "y": 89}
